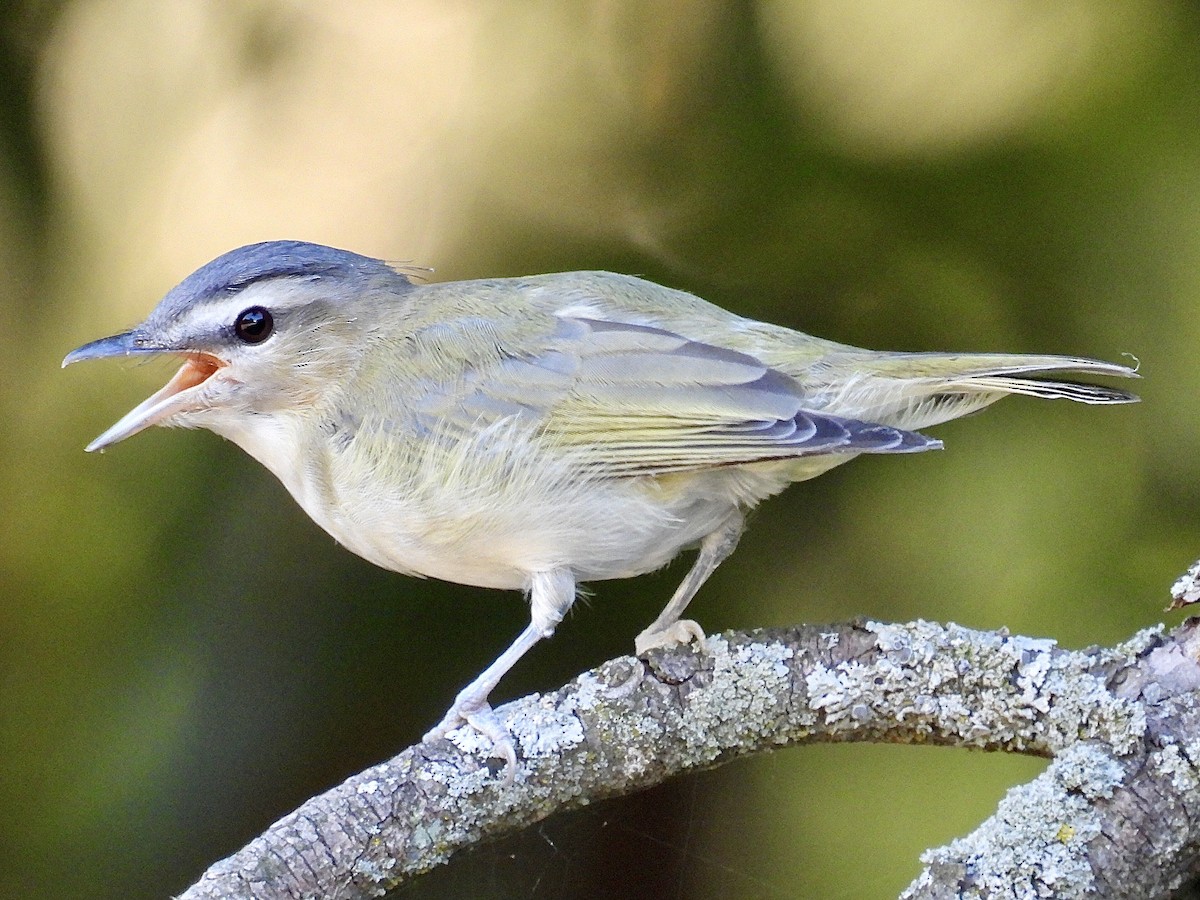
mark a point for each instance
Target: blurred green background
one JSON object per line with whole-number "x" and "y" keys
{"x": 184, "y": 657}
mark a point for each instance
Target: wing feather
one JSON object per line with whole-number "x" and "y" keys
{"x": 626, "y": 399}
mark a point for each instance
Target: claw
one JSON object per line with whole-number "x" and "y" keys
{"x": 478, "y": 714}
{"x": 681, "y": 631}
{"x": 487, "y": 723}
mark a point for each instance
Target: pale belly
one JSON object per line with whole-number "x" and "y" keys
{"x": 611, "y": 531}
{"x": 494, "y": 518}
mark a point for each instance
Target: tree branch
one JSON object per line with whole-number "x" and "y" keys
{"x": 1118, "y": 811}
{"x": 1105, "y": 819}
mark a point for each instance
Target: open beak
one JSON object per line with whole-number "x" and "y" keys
{"x": 180, "y": 394}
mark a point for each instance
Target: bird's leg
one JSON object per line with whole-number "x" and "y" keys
{"x": 550, "y": 596}
{"x": 668, "y": 628}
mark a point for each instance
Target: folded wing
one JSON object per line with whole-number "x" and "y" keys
{"x": 625, "y": 399}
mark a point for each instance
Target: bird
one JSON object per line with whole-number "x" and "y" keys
{"x": 535, "y": 433}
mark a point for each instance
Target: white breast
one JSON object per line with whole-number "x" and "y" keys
{"x": 489, "y": 511}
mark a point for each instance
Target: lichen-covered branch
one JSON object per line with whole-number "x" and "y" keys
{"x": 1104, "y": 820}
{"x": 1120, "y": 723}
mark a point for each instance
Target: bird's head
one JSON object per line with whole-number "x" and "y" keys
{"x": 264, "y": 328}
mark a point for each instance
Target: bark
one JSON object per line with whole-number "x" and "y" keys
{"x": 1116, "y": 814}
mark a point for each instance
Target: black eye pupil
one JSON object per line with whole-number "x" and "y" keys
{"x": 253, "y": 325}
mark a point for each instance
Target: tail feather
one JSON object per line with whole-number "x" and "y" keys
{"x": 1002, "y": 374}
{"x": 1050, "y": 390}
{"x": 952, "y": 365}
{"x": 916, "y": 390}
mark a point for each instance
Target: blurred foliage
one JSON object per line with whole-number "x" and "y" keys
{"x": 184, "y": 657}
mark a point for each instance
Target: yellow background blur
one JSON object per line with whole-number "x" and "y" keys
{"x": 184, "y": 657}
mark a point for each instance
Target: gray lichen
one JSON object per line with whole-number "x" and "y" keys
{"x": 1036, "y": 843}
{"x": 1058, "y": 695}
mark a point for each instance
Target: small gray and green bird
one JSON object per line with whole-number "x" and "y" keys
{"x": 535, "y": 433}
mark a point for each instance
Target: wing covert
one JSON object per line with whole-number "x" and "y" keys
{"x": 629, "y": 399}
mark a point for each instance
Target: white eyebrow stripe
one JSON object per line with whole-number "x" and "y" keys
{"x": 217, "y": 312}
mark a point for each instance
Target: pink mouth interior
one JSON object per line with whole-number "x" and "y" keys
{"x": 198, "y": 369}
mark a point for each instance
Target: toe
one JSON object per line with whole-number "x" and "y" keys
{"x": 681, "y": 632}
{"x": 482, "y": 718}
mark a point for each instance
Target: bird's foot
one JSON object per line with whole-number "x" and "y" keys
{"x": 681, "y": 631}
{"x": 477, "y": 713}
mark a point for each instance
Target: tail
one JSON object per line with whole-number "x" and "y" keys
{"x": 1005, "y": 375}
{"x": 915, "y": 390}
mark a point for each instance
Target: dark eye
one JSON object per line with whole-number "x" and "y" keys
{"x": 253, "y": 325}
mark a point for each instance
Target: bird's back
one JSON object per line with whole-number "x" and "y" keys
{"x": 902, "y": 389}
